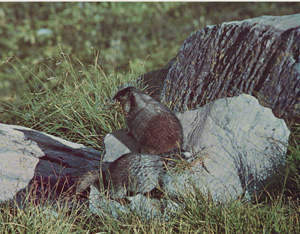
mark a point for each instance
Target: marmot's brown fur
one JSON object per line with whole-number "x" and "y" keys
{"x": 154, "y": 126}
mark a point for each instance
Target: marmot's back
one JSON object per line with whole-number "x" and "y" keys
{"x": 134, "y": 173}
{"x": 158, "y": 134}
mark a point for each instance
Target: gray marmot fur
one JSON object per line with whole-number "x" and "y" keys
{"x": 132, "y": 173}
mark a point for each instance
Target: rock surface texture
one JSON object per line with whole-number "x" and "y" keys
{"x": 29, "y": 157}
{"x": 239, "y": 142}
{"x": 259, "y": 56}
{"x": 236, "y": 144}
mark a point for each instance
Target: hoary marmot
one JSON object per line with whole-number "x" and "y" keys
{"x": 134, "y": 173}
{"x": 131, "y": 174}
{"x": 154, "y": 126}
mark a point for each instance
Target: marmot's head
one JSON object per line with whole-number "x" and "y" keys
{"x": 125, "y": 98}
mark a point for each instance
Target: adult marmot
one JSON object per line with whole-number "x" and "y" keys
{"x": 154, "y": 126}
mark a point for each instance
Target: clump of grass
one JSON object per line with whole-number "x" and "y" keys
{"x": 292, "y": 187}
{"x": 199, "y": 214}
{"x": 75, "y": 104}
{"x": 32, "y": 218}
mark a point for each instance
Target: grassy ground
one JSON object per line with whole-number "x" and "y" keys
{"x": 199, "y": 215}
{"x": 61, "y": 81}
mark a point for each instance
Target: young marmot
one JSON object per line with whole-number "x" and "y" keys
{"x": 154, "y": 126}
{"x": 131, "y": 174}
{"x": 134, "y": 173}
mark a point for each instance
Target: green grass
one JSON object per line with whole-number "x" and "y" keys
{"x": 63, "y": 83}
{"x": 199, "y": 215}
{"x": 76, "y": 104}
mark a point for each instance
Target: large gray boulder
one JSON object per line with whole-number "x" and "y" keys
{"x": 29, "y": 158}
{"x": 236, "y": 145}
{"x": 257, "y": 56}
{"x": 240, "y": 144}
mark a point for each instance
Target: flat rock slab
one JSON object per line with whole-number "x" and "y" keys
{"x": 118, "y": 143}
{"x": 28, "y": 156}
{"x": 18, "y": 159}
